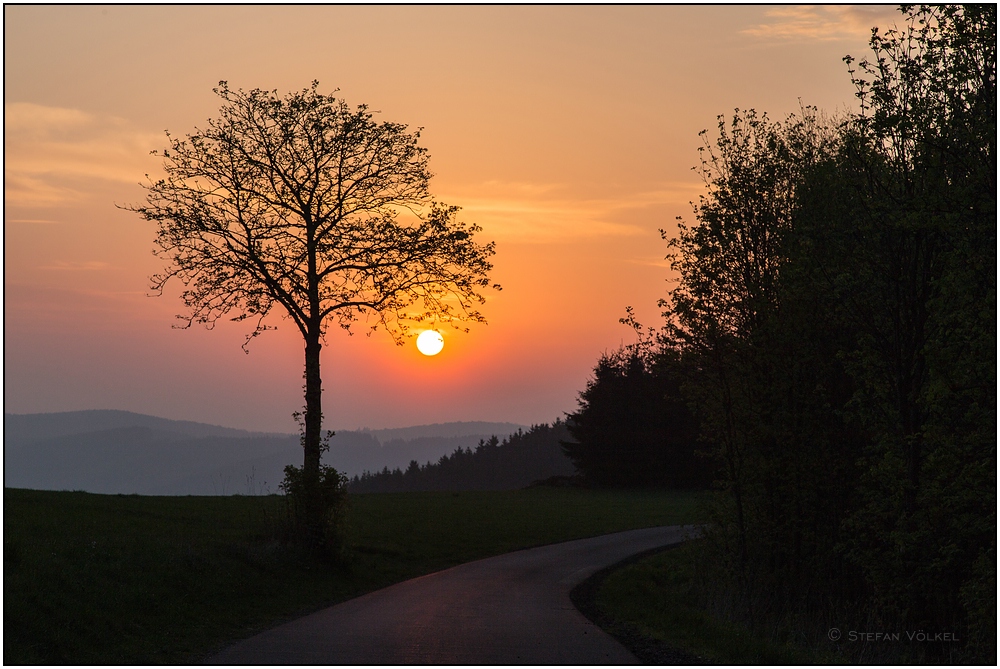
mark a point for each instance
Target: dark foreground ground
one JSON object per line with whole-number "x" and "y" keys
{"x": 119, "y": 579}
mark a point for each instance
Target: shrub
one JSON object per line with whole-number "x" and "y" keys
{"x": 330, "y": 537}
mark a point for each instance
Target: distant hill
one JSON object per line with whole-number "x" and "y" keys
{"x": 124, "y": 452}
{"x": 23, "y": 428}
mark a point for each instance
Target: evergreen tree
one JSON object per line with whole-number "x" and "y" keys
{"x": 633, "y": 428}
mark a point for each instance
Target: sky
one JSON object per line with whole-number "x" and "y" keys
{"x": 568, "y": 134}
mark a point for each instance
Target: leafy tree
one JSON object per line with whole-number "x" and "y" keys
{"x": 922, "y": 156}
{"x": 297, "y": 201}
{"x": 838, "y": 301}
{"x": 756, "y": 393}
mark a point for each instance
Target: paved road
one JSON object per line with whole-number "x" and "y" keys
{"x": 509, "y": 609}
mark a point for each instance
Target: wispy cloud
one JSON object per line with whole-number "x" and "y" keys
{"x": 50, "y": 152}
{"x": 544, "y": 213}
{"x": 645, "y": 262}
{"x": 35, "y": 191}
{"x": 826, "y": 22}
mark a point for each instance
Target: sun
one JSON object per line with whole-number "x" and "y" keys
{"x": 430, "y": 342}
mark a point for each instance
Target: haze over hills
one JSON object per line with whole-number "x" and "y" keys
{"x": 124, "y": 452}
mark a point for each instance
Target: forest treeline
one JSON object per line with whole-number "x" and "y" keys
{"x": 833, "y": 333}
{"x": 518, "y": 460}
{"x": 633, "y": 428}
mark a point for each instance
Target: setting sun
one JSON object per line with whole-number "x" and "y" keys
{"x": 430, "y": 342}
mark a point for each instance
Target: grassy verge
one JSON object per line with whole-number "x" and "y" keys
{"x": 651, "y": 606}
{"x": 112, "y": 579}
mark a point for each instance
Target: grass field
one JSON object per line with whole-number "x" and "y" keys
{"x": 123, "y": 579}
{"x": 654, "y": 598}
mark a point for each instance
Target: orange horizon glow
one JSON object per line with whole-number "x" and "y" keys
{"x": 567, "y": 133}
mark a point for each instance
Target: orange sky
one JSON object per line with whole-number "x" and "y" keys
{"x": 567, "y": 133}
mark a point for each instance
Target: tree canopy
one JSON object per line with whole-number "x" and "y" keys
{"x": 297, "y": 201}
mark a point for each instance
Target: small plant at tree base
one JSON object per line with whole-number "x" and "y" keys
{"x": 329, "y": 537}
{"x": 316, "y": 504}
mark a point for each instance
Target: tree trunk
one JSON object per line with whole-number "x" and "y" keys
{"x": 312, "y": 442}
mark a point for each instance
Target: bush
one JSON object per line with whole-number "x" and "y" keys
{"x": 330, "y": 536}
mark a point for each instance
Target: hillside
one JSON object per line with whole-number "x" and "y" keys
{"x": 515, "y": 462}
{"x": 124, "y": 452}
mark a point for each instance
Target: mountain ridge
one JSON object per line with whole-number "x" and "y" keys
{"x": 114, "y": 451}
{"x": 56, "y": 421}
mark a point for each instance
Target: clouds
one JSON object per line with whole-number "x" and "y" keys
{"x": 53, "y": 154}
{"x": 553, "y": 213}
{"x": 825, "y": 23}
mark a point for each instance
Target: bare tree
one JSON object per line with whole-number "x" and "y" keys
{"x": 304, "y": 202}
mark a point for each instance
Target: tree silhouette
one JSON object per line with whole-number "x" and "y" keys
{"x": 304, "y": 202}
{"x": 633, "y": 426}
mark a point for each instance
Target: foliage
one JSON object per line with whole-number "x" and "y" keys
{"x": 923, "y": 157}
{"x": 519, "y": 460}
{"x": 333, "y": 493}
{"x": 764, "y": 379}
{"x": 633, "y": 427}
{"x": 837, "y": 308}
{"x": 296, "y": 201}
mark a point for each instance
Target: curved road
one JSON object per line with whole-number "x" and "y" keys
{"x": 509, "y": 609}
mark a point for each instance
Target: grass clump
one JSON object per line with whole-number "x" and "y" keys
{"x": 124, "y": 579}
